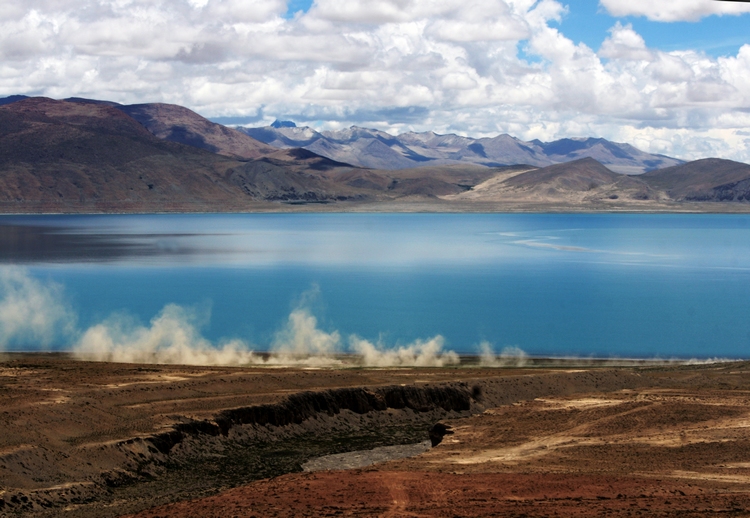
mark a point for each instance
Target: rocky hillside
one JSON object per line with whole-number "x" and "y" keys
{"x": 178, "y": 124}
{"x": 61, "y": 156}
{"x": 583, "y": 182}
{"x": 711, "y": 179}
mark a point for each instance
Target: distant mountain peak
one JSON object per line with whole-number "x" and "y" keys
{"x": 283, "y": 124}
{"x": 12, "y": 99}
{"x": 83, "y": 100}
{"x": 365, "y": 147}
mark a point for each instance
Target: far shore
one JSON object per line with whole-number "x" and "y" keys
{"x": 412, "y": 205}
{"x": 350, "y": 361}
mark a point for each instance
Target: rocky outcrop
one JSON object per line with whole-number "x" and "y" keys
{"x": 438, "y": 431}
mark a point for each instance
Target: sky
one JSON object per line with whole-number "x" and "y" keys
{"x": 668, "y": 76}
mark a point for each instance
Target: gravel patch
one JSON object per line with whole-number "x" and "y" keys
{"x": 364, "y": 458}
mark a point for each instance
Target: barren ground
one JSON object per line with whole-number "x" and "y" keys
{"x": 572, "y": 441}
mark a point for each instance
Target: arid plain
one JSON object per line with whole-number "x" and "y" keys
{"x": 564, "y": 438}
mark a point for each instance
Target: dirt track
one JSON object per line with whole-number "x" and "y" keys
{"x": 420, "y": 494}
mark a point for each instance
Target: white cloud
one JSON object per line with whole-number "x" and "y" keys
{"x": 243, "y": 11}
{"x": 363, "y": 11}
{"x": 173, "y": 337}
{"x": 626, "y": 44}
{"x": 670, "y": 69}
{"x": 477, "y": 67}
{"x": 673, "y": 10}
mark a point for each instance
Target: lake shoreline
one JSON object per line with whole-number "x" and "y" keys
{"x": 411, "y": 206}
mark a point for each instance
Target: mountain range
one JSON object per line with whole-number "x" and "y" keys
{"x": 81, "y": 155}
{"x": 379, "y": 150}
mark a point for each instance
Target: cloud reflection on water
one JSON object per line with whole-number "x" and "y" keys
{"x": 372, "y": 240}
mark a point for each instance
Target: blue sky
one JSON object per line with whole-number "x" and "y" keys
{"x": 589, "y": 23}
{"x": 295, "y": 6}
{"x": 668, "y": 76}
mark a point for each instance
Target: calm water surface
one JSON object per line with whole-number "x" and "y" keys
{"x": 602, "y": 285}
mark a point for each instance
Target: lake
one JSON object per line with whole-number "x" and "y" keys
{"x": 602, "y": 285}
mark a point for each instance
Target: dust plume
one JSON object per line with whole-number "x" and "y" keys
{"x": 417, "y": 354}
{"x": 32, "y": 312}
{"x": 708, "y": 361}
{"x": 300, "y": 342}
{"x": 508, "y": 357}
{"x": 172, "y": 337}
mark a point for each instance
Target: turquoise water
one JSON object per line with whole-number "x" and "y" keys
{"x": 585, "y": 285}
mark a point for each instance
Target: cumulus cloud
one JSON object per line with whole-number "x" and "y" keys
{"x": 673, "y": 10}
{"x": 624, "y": 43}
{"x": 474, "y": 67}
{"x": 32, "y": 313}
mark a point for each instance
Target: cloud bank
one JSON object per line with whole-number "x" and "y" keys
{"x": 475, "y": 67}
{"x": 673, "y": 10}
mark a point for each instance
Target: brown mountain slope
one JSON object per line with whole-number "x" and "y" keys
{"x": 179, "y": 124}
{"x": 428, "y": 181}
{"x": 300, "y": 157}
{"x": 581, "y": 175}
{"x": 583, "y": 181}
{"x": 58, "y": 156}
{"x": 711, "y": 179}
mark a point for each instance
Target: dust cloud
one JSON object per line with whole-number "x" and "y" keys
{"x": 420, "y": 353}
{"x": 172, "y": 337}
{"x": 31, "y": 311}
{"x": 508, "y": 357}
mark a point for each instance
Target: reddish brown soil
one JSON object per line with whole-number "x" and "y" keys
{"x": 422, "y": 494}
{"x": 648, "y": 452}
{"x": 671, "y": 441}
